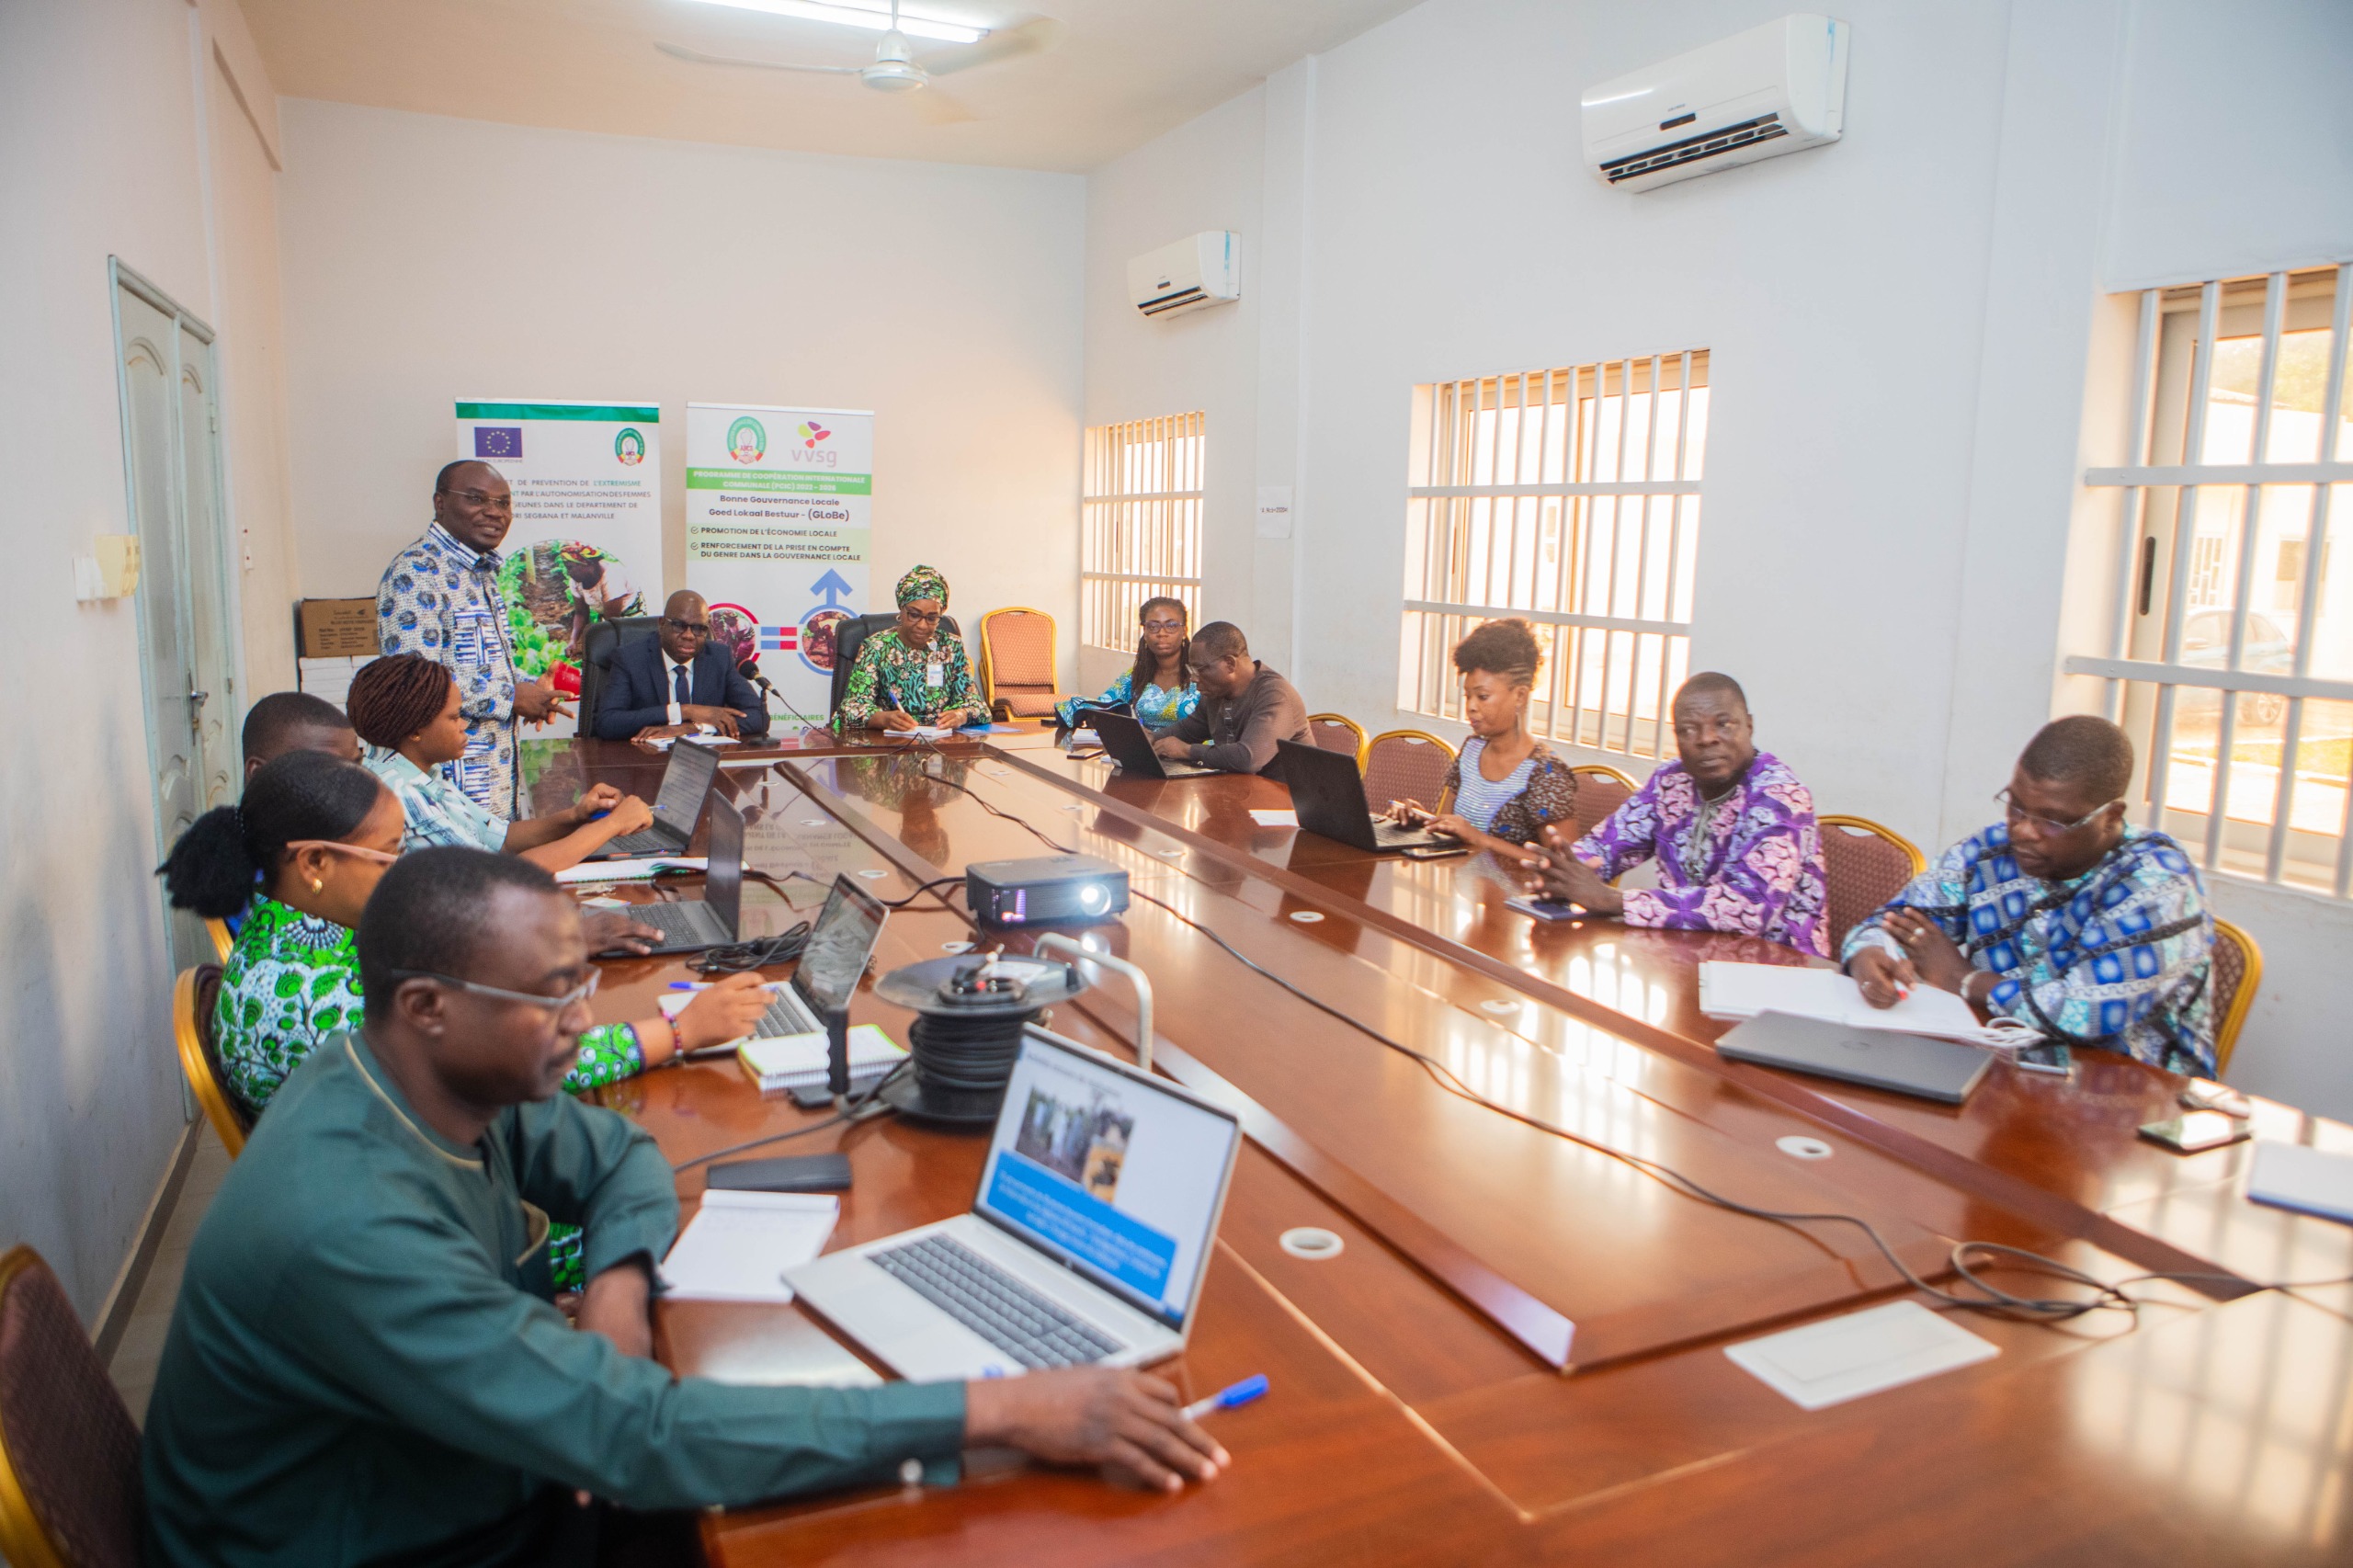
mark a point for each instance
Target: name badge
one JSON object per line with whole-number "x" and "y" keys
{"x": 933, "y": 674}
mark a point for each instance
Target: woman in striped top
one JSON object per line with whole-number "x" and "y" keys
{"x": 1506, "y": 784}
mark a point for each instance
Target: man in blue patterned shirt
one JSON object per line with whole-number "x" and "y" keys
{"x": 2064, "y": 915}
{"x": 439, "y": 597}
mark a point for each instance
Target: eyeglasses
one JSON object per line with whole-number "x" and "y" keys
{"x": 580, "y": 993}
{"x": 914, "y": 620}
{"x": 483, "y": 499}
{"x": 1164, "y": 626}
{"x": 365, "y": 853}
{"x": 688, "y": 628}
{"x": 2017, "y": 814}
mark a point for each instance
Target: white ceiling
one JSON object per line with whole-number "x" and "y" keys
{"x": 1123, "y": 71}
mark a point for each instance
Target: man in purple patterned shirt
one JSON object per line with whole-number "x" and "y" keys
{"x": 1731, "y": 828}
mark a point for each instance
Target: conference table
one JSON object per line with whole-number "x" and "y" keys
{"x": 1518, "y": 1354}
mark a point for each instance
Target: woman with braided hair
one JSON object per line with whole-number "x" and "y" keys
{"x": 299, "y": 856}
{"x": 406, "y": 708}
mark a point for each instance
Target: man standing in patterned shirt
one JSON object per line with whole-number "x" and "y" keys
{"x": 2063, "y": 915}
{"x": 439, "y": 597}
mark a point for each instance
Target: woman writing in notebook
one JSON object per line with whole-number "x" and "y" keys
{"x": 1159, "y": 688}
{"x": 1506, "y": 785}
{"x": 915, "y": 673}
{"x": 298, "y": 856}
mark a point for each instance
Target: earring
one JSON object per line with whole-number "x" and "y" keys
{"x": 317, "y": 886}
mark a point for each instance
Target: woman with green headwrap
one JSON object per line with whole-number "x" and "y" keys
{"x": 915, "y": 673}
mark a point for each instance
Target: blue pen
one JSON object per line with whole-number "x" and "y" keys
{"x": 1240, "y": 1393}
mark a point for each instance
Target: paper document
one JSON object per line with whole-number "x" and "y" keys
{"x": 664, "y": 743}
{"x": 588, "y": 873}
{"x": 2313, "y": 1181}
{"x": 1846, "y": 1358}
{"x": 741, "y": 1243}
{"x": 1274, "y": 818}
{"x": 1744, "y": 990}
{"x": 1084, "y": 738}
{"x": 801, "y": 1061}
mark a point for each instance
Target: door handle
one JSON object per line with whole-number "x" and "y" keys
{"x": 198, "y": 698}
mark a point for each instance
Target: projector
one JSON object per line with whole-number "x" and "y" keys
{"x": 1052, "y": 890}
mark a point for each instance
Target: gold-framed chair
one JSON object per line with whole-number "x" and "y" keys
{"x": 70, "y": 1495}
{"x": 192, "y": 998}
{"x": 1866, "y": 863}
{"x": 1337, "y": 732}
{"x": 218, "y": 930}
{"x": 2238, "y": 969}
{"x": 1401, "y": 765}
{"x": 1017, "y": 663}
{"x": 1601, "y": 789}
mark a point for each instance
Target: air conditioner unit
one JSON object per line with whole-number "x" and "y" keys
{"x": 1188, "y": 276}
{"x": 1774, "y": 89}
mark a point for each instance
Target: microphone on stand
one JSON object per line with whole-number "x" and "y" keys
{"x": 749, "y": 669}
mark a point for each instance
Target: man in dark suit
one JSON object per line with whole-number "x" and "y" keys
{"x": 678, "y": 682}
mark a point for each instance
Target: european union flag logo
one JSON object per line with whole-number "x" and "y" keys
{"x": 498, "y": 440}
{"x": 778, "y": 639}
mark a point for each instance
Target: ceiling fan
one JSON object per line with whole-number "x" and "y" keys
{"x": 896, "y": 69}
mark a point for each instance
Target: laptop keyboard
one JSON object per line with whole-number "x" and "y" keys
{"x": 682, "y": 922}
{"x": 784, "y": 1015}
{"x": 1390, "y": 834}
{"x": 646, "y": 843}
{"x": 993, "y": 1304}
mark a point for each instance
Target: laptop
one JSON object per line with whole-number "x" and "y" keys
{"x": 1883, "y": 1059}
{"x": 677, "y": 805}
{"x": 691, "y": 924}
{"x": 1087, "y": 1243}
{"x": 1327, "y": 792}
{"x": 1129, "y": 745}
{"x": 839, "y": 945}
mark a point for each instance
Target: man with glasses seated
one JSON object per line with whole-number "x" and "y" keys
{"x": 678, "y": 682}
{"x": 364, "y": 1364}
{"x": 2064, "y": 915}
{"x": 439, "y": 597}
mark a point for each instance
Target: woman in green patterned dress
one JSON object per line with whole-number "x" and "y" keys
{"x": 299, "y": 856}
{"x": 914, "y": 673}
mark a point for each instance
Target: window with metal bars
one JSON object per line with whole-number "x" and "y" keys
{"x": 2231, "y": 658}
{"x": 1140, "y": 520}
{"x": 1569, "y": 497}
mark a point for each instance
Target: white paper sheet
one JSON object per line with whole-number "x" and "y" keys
{"x": 741, "y": 1243}
{"x": 589, "y": 873}
{"x": 1744, "y": 990}
{"x": 2312, "y": 1181}
{"x": 1274, "y": 818}
{"x": 1841, "y": 1358}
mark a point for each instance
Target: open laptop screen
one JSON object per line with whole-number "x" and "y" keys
{"x": 722, "y": 884}
{"x": 839, "y": 945}
{"x": 685, "y": 782}
{"x": 1114, "y": 1174}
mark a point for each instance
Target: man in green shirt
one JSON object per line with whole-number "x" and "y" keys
{"x": 364, "y": 1366}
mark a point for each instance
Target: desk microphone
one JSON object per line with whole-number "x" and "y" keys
{"x": 750, "y": 670}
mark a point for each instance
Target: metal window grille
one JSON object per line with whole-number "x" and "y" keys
{"x": 2231, "y": 656}
{"x": 1140, "y": 524}
{"x": 1569, "y": 497}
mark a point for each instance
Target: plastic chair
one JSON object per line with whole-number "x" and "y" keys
{"x": 1017, "y": 663}
{"x": 851, "y": 635}
{"x": 606, "y": 638}
{"x": 192, "y": 1000}
{"x": 2238, "y": 969}
{"x": 218, "y": 930}
{"x": 1601, "y": 789}
{"x": 1867, "y": 863}
{"x": 1337, "y": 732}
{"x": 1402, "y": 765}
{"x": 70, "y": 1495}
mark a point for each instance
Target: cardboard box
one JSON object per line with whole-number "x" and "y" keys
{"x": 336, "y": 628}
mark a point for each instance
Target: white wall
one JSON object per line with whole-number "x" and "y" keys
{"x": 103, "y": 126}
{"x": 1900, "y": 327}
{"x": 429, "y": 259}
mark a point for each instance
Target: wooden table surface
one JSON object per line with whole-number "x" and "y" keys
{"x": 1518, "y": 1354}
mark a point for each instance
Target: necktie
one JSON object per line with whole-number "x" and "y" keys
{"x": 678, "y": 683}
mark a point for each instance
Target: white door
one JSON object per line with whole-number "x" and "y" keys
{"x": 171, "y": 458}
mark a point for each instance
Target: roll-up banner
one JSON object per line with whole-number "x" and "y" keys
{"x": 779, "y": 519}
{"x": 586, "y": 542}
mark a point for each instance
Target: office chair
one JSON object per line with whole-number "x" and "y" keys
{"x": 70, "y": 1495}
{"x": 1018, "y": 663}
{"x": 1401, "y": 765}
{"x": 851, "y": 635}
{"x": 606, "y": 639}
{"x": 192, "y": 1000}
{"x": 1601, "y": 789}
{"x": 1337, "y": 732}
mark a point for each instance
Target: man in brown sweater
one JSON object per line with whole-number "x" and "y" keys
{"x": 1245, "y": 707}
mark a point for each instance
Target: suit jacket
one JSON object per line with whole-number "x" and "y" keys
{"x": 637, "y": 690}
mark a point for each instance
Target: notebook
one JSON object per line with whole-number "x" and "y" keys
{"x": 1746, "y": 990}
{"x": 2312, "y": 1181}
{"x": 798, "y": 1060}
{"x": 740, "y": 1244}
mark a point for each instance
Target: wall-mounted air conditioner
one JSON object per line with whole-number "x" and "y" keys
{"x": 1774, "y": 89}
{"x": 1188, "y": 276}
